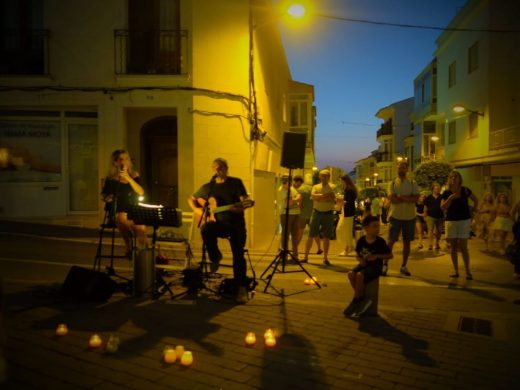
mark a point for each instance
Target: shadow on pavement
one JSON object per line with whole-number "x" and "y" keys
{"x": 453, "y": 285}
{"x": 290, "y": 365}
{"x": 293, "y": 363}
{"x": 140, "y": 322}
{"x": 412, "y": 348}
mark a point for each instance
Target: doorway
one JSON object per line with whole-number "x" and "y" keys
{"x": 159, "y": 140}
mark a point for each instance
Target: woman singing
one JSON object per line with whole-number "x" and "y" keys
{"x": 120, "y": 191}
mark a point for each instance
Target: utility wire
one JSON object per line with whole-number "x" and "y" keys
{"x": 416, "y": 26}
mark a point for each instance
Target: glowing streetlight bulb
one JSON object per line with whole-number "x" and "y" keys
{"x": 434, "y": 138}
{"x": 297, "y": 11}
{"x": 458, "y": 109}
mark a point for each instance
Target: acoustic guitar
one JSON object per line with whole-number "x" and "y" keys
{"x": 213, "y": 209}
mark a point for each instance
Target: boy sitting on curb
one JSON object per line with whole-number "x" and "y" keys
{"x": 371, "y": 251}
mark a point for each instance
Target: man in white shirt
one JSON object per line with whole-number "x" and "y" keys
{"x": 292, "y": 228}
{"x": 403, "y": 195}
{"x": 324, "y": 200}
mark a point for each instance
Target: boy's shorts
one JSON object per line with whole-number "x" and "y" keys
{"x": 370, "y": 273}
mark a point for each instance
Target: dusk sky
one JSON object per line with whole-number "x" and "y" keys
{"x": 357, "y": 69}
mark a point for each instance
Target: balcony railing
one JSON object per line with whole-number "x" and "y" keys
{"x": 385, "y": 129}
{"x": 163, "y": 52}
{"x": 24, "y": 52}
{"x": 504, "y": 138}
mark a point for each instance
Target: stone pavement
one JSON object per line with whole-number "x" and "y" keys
{"x": 414, "y": 343}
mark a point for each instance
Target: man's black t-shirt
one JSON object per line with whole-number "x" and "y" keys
{"x": 459, "y": 208}
{"x": 434, "y": 206}
{"x": 226, "y": 193}
{"x": 379, "y": 247}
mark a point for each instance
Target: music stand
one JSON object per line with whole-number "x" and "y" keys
{"x": 156, "y": 216}
{"x": 281, "y": 257}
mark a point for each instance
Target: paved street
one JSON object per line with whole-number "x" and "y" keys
{"x": 413, "y": 343}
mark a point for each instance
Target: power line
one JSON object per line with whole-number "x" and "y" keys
{"x": 416, "y": 26}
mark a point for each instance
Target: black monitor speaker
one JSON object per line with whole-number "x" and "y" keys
{"x": 293, "y": 150}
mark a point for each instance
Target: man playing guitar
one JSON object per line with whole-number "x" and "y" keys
{"x": 224, "y": 190}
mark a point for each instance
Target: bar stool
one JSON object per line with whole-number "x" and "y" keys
{"x": 109, "y": 224}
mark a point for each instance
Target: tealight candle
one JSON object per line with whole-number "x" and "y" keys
{"x": 95, "y": 341}
{"x": 270, "y": 341}
{"x": 179, "y": 350}
{"x": 307, "y": 281}
{"x": 268, "y": 333}
{"x": 112, "y": 344}
{"x": 187, "y": 358}
{"x": 62, "y": 330}
{"x": 250, "y": 338}
{"x": 170, "y": 356}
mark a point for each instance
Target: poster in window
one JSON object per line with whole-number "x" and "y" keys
{"x": 30, "y": 151}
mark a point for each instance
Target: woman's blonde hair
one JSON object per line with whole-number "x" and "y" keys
{"x": 488, "y": 195}
{"x": 458, "y": 175}
{"x": 504, "y": 195}
{"x": 113, "y": 171}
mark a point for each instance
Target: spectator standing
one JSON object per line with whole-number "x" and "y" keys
{"x": 324, "y": 200}
{"x": 350, "y": 194}
{"x": 434, "y": 216}
{"x": 403, "y": 194}
{"x": 485, "y": 217}
{"x": 458, "y": 220}
{"x": 376, "y": 206}
{"x": 305, "y": 209}
{"x": 420, "y": 222}
{"x": 292, "y": 226}
{"x": 503, "y": 221}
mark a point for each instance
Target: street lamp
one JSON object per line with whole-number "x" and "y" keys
{"x": 297, "y": 11}
{"x": 460, "y": 109}
{"x": 375, "y": 178}
{"x": 367, "y": 182}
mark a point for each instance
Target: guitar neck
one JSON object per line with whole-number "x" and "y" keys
{"x": 221, "y": 209}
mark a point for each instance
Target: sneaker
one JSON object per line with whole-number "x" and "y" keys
{"x": 405, "y": 271}
{"x": 344, "y": 253}
{"x": 362, "y": 307}
{"x": 469, "y": 276}
{"x": 320, "y": 251}
{"x": 430, "y": 248}
{"x": 437, "y": 247}
{"x": 455, "y": 275}
{"x": 384, "y": 271}
{"x": 326, "y": 262}
{"x": 241, "y": 295}
{"x": 349, "y": 310}
{"x": 420, "y": 246}
{"x": 215, "y": 264}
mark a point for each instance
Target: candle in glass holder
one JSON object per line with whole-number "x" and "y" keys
{"x": 250, "y": 338}
{"x": 62, "y": 330}
{"x": 307, "y": 281}
{"x": 179, "y": 350}
{"x": 95, "y": 341}
{"x": 187, "y": 358}
{"x": 270, "y": 341}
{"x": 169, "y": 355}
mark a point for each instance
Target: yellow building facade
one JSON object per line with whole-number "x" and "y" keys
{"x": 175, "y": 82}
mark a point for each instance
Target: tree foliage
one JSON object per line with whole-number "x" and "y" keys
{"x": 432, "y": 172}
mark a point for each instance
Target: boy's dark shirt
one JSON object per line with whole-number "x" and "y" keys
{"x": 226, "y": 193}
{"x": 379, "y": 247}
{"x": 434, "y": 206}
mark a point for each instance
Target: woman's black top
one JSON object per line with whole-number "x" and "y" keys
{"x": 349, "y": 208}
{"x": 124, "y": 195}
{"x": 459, "y": 208}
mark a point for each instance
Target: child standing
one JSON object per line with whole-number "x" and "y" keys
{"x": 371, "y": 250}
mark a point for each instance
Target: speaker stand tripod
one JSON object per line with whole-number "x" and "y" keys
{"x": 281, "y": 257}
